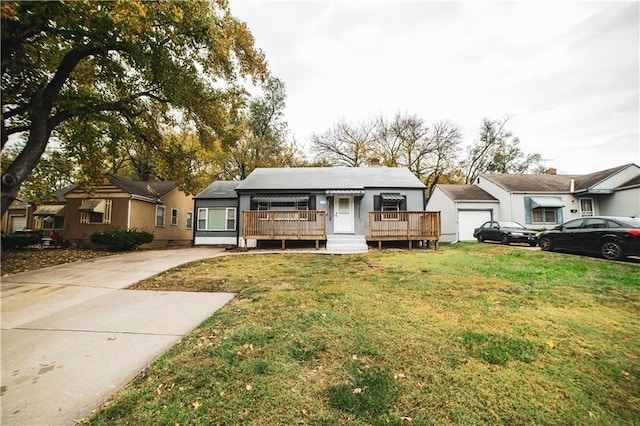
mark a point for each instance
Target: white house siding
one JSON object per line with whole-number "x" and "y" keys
{"x": 625, "y": 202}
{"x": 440, "y": 202}
{"x": 619, "y": 178}
{"x": 451, "y": 210}
{"x": 518, "y": 214}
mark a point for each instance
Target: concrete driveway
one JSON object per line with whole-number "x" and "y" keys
{"x": 72, "y": 335}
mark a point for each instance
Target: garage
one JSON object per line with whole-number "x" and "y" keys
{"x": 468, "y": 220}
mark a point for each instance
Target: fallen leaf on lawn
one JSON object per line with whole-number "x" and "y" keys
{"x": 551, "y": 344}
{"x": 625, "y": 373}
{"x": 399, "y": 376}
{"x": 196, "y": 405}
{"x": 249, "y": 387}
{"x": 407, "y": 419}
{"x": 357, "y": 391}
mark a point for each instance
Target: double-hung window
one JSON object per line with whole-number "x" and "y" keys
{"x": 160, "y": 216}
{"x": 217, "y": 219}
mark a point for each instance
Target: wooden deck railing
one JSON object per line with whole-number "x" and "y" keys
{"x": 404, "y": 225}
{"x": 284, "y": 225}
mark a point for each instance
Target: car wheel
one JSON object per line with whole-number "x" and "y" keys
{"x": 480, "y": 239}
{"x": 611, "y": 250}
{"x": 545, "y": 244}
{"x": 504, "y": 240}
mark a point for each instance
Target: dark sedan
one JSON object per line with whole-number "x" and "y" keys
{"x": 506, "y": 233}
{"x": 611, "y": 237}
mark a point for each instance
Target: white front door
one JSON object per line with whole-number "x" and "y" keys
{"x": 343, "y": 214}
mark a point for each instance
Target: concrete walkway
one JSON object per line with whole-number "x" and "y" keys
{"x": 72, "y": 335}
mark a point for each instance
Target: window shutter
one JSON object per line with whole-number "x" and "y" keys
{"x": 527, "y": 211}
{"x": 377, "y": 203}
{"x": 312, "y": 202}
{"x": 403, "y": 204}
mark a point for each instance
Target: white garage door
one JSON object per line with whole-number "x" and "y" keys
{"x": 18, "y": 223}
{"x": 468, "y": 220}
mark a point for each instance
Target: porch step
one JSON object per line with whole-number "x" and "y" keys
{"x": 348, "y": 242}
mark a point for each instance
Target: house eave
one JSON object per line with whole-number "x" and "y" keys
{"x": 146, "y": 199}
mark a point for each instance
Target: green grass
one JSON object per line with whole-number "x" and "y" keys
{"x": 472, "y": 334}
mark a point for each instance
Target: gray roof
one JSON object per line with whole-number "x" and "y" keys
{"x": 220, "y": 189}
{"x": 324, "y": 178}
{"x": 465, "y": 193}
{"x": 550, "y": 183}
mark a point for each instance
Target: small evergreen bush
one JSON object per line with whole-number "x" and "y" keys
{"x": 18, "y": 241}
{"x": 121, "y": 239}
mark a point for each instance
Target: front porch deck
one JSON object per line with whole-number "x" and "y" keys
{"x": 284, "y": 225}
{"x": 404, "y": 226}
{"x": 312, "y": 225}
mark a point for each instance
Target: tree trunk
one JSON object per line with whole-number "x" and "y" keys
{"x": 27, "y": 160}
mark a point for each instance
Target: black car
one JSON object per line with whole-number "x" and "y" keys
{"x": 611, "y": 237}
{"x": 506, "y": 233}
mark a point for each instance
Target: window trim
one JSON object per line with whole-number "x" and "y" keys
{"x": 174, "y": 217}
{"x": 85, "y": 216}
{"x": 544, "y": 211}
{"x": 164, "y": 217}
{"x": 203, "y": 216}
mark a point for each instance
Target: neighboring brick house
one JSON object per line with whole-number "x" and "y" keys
{"x": 158, "y": 207}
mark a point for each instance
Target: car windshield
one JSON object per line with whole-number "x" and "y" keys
{"x": 511, "y": 225}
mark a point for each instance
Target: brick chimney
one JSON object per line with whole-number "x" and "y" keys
{"x": 551, "y": 171}
{"x": 374, "y": 162}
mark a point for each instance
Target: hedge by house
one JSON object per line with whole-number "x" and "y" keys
{"x": 121, "y": 239}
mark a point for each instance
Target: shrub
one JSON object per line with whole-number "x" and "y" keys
{"x": 121, "y": 239}
{"x": 17, "y": 241}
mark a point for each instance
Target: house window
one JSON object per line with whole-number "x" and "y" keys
{"x": 95, "y": 211}
{"x": 52, "y": 222}
{"x": 217, "y": 219}
{"x": 390, "y": 206}
{"x": 543, "y": 215}
{"x": 189, "y": 220}
{"x": 543, "y": 210}
{"x": 283, "y": 205}
{"x": 586, "y": 207}
{"x": 174, "y": 217}
{"x": 160, "y": 216}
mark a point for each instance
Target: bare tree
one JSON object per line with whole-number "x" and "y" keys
{"x": 346, "y": 144}
{"x": 497, "y": 150}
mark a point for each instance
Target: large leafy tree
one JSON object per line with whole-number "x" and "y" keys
{"x": 94, "y": 75}
{"x": 262, "y": 139}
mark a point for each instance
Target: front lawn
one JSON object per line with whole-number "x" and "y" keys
{"x": 471, "y": 334}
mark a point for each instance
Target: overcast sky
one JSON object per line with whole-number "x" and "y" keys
{"x": 567, "y": 72}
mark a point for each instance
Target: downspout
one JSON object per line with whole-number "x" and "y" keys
{"x": 193, "y": 223}
{"x": 238, "y": 224}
